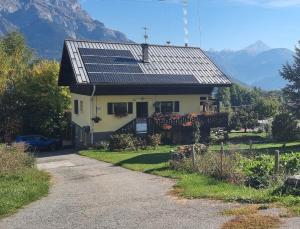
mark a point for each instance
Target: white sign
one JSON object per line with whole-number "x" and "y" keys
{"x": 141, "y": 127}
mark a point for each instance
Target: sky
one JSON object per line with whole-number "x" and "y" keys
{"x": 213, "y": 24}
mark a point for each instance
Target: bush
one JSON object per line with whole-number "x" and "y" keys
{"x": 209, "y": 163}
{"x": 284, "y": 127}
{"x": 14, "y": 158}
{"x": 102, "y": 145}
{"x": 154, "y": 140}
{"x": 290, "y": 163}
{"x": 223, "y": 168}
{"x": 258, "y": 171}
{"x": 122, "y": 142}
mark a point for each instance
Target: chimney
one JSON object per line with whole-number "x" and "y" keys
{"x": 145, "y": 52}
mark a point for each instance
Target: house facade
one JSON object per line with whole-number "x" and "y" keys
{"x": 114, "y": 85}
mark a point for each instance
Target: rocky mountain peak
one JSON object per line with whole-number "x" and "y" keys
{"x": 46, "y": 23}
{"x": 257, "y": 47}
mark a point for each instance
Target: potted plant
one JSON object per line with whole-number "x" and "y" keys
{"x": 96, "y": 119}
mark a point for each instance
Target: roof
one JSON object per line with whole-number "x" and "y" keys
{"x": 105, "y": 63}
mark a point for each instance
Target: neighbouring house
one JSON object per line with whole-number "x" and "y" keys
{"x": 117, "y": 87}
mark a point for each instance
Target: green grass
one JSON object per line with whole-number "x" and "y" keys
{"x": 142, "y": 160}
{"x": 21, "y": 188}
{"x": 257, "y": 146}
{"x": 190, "y": 185}
{"x": 241, "y": 141}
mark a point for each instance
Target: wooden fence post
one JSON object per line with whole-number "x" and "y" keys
{"x": 222, "y": 155}
{"x": 193, "y": 156}
{"x": 277, "y": 158}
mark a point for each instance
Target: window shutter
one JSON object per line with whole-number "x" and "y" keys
{"x": 110, "y": 108}
{"x": 75, "y": 106}
{"x": 176, "y": 106}
{"x": 130, "y": 108}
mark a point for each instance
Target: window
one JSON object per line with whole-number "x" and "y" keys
{"x": 167, "y": 107}
{"x": 81, "y": 106}
{"x": 120, "y": 108}
{"x": 75, "y": 106}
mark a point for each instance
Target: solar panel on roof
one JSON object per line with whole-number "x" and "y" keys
{"x": 113, "y": 68}
{"x": 108, "y": 60}
{"x": 150, "y": 79}
{"x": 105, "y": 52}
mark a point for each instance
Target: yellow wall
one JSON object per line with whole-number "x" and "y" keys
{"x": 188, "y": 104}
{"x": 83, "y": 118}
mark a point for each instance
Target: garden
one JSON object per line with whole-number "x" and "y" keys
{"x": 242, "y": 169}
{"x": 20, "y": 182}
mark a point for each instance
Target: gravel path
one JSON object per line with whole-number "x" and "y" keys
{"x": 90, "y": 194}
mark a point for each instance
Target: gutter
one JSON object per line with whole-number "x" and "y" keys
{"x": 91, "y": 114}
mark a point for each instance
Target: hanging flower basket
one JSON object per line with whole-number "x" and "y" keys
{"x": 96, "y": 119}
{"x": 187, "y": 124}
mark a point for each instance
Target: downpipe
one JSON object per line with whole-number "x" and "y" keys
{"x": 91, "y": 114}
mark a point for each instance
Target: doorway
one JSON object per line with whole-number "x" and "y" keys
{"x": 142, "y": 109}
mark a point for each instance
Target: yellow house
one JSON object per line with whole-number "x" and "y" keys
{"x": 115, "y": 84}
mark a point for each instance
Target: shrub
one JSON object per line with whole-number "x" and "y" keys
{"x": 220, "y": 167}
{"x": 102, "y": 145}
{"x": 210, "y": 164}
{"x": 14, "y": 158}
{"x": 284, "y": 127}
{"x": 290, "y": 163}
{"x": 122, "y": 142}
{"x": 154, "y": 140}
{"x": 258, "y": 171}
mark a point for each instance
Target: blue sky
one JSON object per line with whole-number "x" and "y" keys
{"x": 216, "y": 24}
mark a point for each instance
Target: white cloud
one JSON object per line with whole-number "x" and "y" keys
{"x": 270, "y": 3}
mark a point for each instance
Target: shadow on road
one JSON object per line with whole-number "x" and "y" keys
{"x": 41, "y": 154}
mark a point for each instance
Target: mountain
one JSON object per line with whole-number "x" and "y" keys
{"x": 46, "y": 23}
{"x": 256, "y": 65}
{"x": 257, "y": 47}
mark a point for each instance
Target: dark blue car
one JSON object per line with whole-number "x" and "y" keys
{"x": 38, "y": 142}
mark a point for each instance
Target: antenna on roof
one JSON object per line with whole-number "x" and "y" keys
{"x": 186, "y": 22}
{"x": 146, "y": 34}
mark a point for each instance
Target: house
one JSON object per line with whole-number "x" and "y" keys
{"x": 117, "y": 85}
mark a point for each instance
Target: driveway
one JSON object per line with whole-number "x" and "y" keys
{"x": 90, "y": 194}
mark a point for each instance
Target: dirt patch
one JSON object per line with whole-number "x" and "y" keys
{"x": 253, "y": 221}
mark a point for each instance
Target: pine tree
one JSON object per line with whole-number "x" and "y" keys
{"x": 291, "y": 73}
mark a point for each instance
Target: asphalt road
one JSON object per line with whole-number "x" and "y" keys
{"x": 90, "y": 194}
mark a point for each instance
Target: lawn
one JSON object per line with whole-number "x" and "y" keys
{"x": 20, "y": 188}
{"x": 190, "y": 185}
{"x": 20, "y": 182}
{"x": 260, "y": 143}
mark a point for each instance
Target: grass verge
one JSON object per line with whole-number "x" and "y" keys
{"x": 191, "y": 185}
{"x": 20, "y": 188}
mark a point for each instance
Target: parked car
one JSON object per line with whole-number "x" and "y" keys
{"x": 38, "y": 142}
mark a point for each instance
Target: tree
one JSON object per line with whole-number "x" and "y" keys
{"x": 15, "y": 58}
{"x": 45, "y": 103}
{"x": 266, "y": 107}
{"x": 284, "y": 127}
{"x": 30, "y": 100}
{"x": 291, "y": 73}
{"x": 243, "y": 118}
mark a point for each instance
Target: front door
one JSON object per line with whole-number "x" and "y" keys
{"x": 142, "y": 109}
